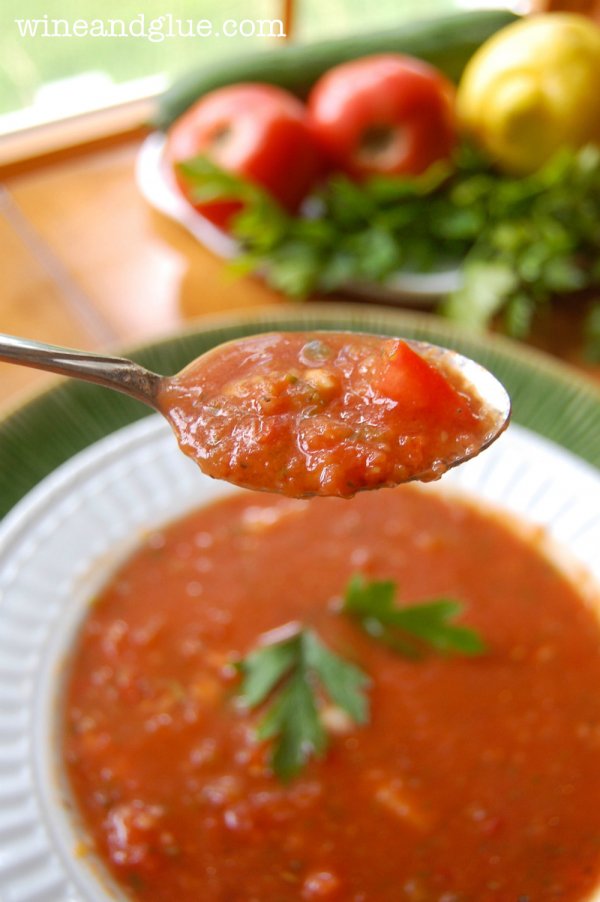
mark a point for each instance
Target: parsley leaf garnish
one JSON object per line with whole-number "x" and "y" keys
{"x": 409, "y": 630}
{"x": 294, "y": 675}
{"x": 297, "y": 672}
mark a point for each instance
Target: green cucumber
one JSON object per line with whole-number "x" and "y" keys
{"x": 446, "y": 42}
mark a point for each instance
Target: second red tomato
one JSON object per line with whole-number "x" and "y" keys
{"x": 387, "y": 114}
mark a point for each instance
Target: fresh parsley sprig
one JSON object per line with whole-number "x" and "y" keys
{"x": 296, "y": 671}
{"x": 540, "y": 238}
{"x": 292, "y": 677}
{"x": 410, "y": 630}
{"x": 521, "y": 240}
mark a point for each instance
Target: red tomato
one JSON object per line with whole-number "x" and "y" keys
{"x": 407, "y": 377}
{"x": 387, "y": 114}
{"x": 259, "y": 132}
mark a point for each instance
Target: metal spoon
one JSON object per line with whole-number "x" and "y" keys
{"x": 151, "y": 388}
{"x": 111, "y": 372}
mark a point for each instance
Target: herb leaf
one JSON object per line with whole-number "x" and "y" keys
{"x": 486, "y": 288}
{"x": 344, "y": 682}
{"x": 521, "y": 240}
{"x": 292, "y": 670}
{"x": 297, "y": 672}
{"x": 263, "y": 669}
{"x": 294, "y": 722}
{"x": 409, "y": 630}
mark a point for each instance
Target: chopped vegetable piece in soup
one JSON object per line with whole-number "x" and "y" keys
{"x": 324, "y": 413}
{"x": 464, "y": 778}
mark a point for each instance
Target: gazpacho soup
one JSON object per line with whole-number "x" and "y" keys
{"x": 394, "y": 698}
{"x": 326, "y": 413}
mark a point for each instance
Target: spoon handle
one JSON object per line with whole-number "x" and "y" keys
{"x": 112, "y": 372}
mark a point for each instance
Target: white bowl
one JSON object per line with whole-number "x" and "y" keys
{"x": 61, "y": 542}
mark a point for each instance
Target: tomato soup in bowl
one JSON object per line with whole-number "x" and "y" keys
{"x": 247, "y": 715}
{"x": 247, "y": 697}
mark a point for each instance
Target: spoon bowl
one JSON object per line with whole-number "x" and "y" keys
{"x": 319, "y": 413}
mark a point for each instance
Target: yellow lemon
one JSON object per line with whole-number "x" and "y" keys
{"x": 533, "y": 88}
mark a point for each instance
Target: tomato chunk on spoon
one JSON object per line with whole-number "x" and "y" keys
{"x": 326, "y": 413}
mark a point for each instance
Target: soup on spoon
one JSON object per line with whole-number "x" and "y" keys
{"x": 331, "y": 413}
{"x": 308, "y": 413}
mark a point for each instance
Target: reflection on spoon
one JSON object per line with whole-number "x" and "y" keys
{"x": 318, "y": 413}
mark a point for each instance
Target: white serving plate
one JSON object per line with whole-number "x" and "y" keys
{"x": 157, "y": 186}
{"x": 63, "y": 540}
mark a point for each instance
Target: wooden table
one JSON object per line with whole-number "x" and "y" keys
{"x": 86, "y": 263}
